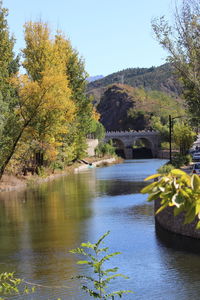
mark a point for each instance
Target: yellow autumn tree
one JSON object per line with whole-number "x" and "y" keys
{"x": 45, "y": 109}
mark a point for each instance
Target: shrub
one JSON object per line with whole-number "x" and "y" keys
{"x": 179, "y": 160}
{"x": 176, "y": 189}
{"x": 165, "y": 169}
{"x": 105, "y": 149}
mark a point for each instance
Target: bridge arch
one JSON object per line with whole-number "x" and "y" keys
{"x": 119, "y": 146}
{"x": 149, "y": 139}
{"x": 142, "y": 147}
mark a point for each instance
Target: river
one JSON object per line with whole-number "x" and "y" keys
{"x": 39, "y": 226}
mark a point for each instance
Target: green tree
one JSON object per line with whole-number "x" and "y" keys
{"x": 75, "y": 70}
{"x": 182, "y": 41}
{"x": 183, "y": 136}
{"x": 8, "y": 94}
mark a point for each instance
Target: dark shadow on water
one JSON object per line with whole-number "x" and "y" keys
{"x": 142, "y": 153}
{"x": 117, "y": 187}
{"x": 175, "y": 241}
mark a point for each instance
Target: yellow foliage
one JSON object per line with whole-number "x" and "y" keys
{"x": 45, "y": 96}
{"x": 95, "y": 114}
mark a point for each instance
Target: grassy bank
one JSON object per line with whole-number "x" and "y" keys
{"x": 12, "y": 182}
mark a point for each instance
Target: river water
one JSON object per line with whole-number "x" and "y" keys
{"x": 40, "y": 225}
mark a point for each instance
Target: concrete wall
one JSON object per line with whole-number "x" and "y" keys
{"x": 164, "y": 154}
{"x": 92, "y": 144}
{"x": 167, "y": 220}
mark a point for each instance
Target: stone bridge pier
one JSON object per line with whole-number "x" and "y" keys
{"x": 126, "y": 140}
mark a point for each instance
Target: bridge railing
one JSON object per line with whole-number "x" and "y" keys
{"x": 133, "y": 132}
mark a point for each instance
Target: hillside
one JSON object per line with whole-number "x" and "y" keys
{"x": 93, "y": 78}
{"x": 123, "y": 107}
{"x": 155, "y": 78}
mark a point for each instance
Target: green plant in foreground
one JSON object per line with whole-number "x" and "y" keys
{"x": 96, "y": 262}
{"x": 176, "y": 189}
{"x": 165, "y": 169}
{"x": 10, "y": 285}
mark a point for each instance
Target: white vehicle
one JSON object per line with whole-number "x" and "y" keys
{"x": 196, "y": 169}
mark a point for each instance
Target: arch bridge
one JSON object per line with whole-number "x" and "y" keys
{"x": 131, "y": 142}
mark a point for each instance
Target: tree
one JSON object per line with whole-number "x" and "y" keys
{"x": 182, "y": 41}
{"x": 183, "y": 136}
{"x": 75, "y": 70}
{"x": 8, "y": 94}
{"x": 44, "y": 107}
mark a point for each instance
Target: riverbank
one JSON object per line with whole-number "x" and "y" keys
{"x": 11, "y": 182}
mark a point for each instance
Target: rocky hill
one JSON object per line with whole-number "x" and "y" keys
{"x": 123, "y": 107}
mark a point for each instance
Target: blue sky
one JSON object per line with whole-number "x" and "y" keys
{"x": 111, "y": 35}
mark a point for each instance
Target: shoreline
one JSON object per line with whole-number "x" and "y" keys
{"x": 11, "y": 183}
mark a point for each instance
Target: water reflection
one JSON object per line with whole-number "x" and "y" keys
{"x": 118, "y": 187}
{"x": 39, "y": 226}
{"x": 181, "y": 255}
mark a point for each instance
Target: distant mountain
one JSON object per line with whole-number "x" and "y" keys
{"x": 160, "y": 78}
{"x": 93, "y": 78}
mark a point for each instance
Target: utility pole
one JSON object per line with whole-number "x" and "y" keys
{"x": 170, "y": 139}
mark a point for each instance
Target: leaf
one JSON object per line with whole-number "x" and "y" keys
{"x": 178, "y": 172}
{"x": 147, "y": 189}
{"x": 154, "y": 196}
{"x": 195, "y": 182}
{"x": 78, "y": 251}
{"x": 198, "y": 225}
{"x": 101, "y": 238}
{"x": 152, "y": 177}
{"x": 197, "y": 207}
{"x": 161, "y": 208}
{"x": 178, "y": 210}
{"x": 113, "y": 270}
{"x": 84, "y": 262}
{"x": 107, "y": 257}
{"x": 88, "y": 245}
{"x": 108, "y": 279}
{"x": 190, "y": 215}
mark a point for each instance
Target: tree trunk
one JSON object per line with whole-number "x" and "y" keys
{"x": 12, "y": 150}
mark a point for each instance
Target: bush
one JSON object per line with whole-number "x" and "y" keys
{"x": 179, "y": 160}
{"x": 176, "y": 189}
{"x": 105, "y": 149}
{"x": 165, "y": 169}
{"x": 188, "y": 159}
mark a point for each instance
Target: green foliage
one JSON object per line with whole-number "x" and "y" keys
{"x": 10, "y": 285}
{"x": 96, "y": 261}
{"x": 184, "y": 137}
{"x": 97, "y": 130}
{"x": 48, "y": 106}
{"x": 165, "y": 169}
{"x": 180, "y": 160}
{"x": 161, "y": 126}
{"x": 105, "y": 149}
{"x": 176, "y": 189}
{"x": 181, "y": 40}
{"x": 83, "y": 122}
